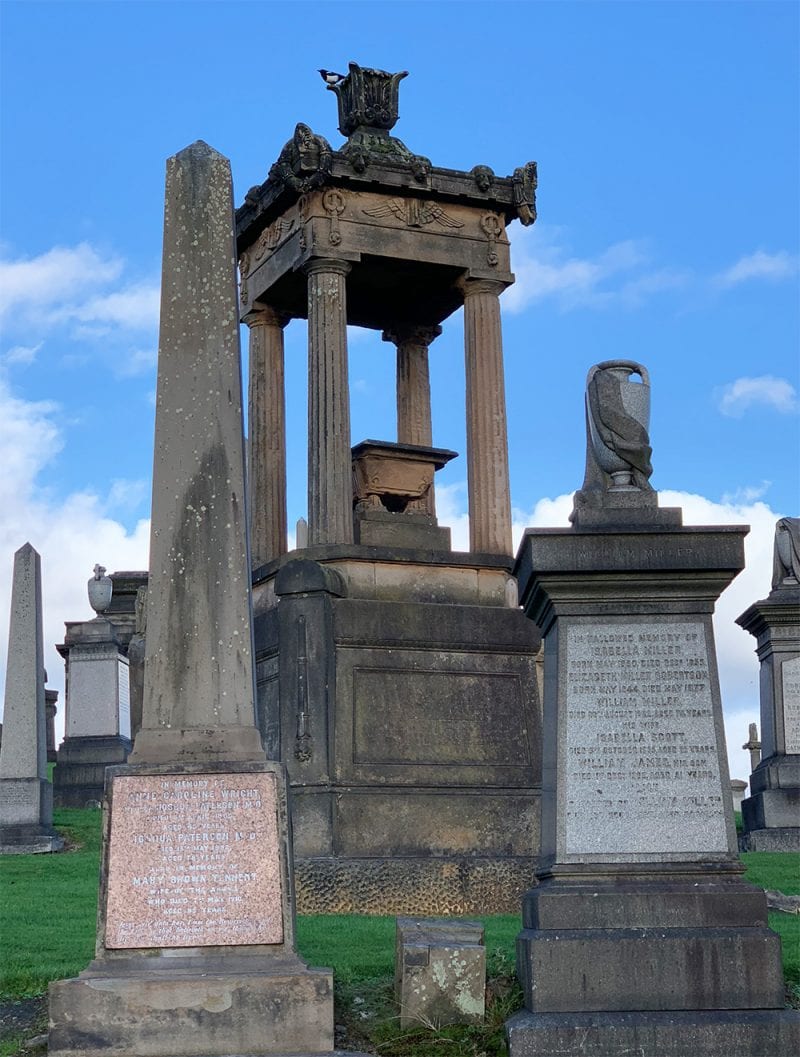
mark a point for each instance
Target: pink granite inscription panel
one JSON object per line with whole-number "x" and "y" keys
{"x": 194, "y": 860}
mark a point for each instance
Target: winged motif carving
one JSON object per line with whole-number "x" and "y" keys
{"x": 414, "y": 213}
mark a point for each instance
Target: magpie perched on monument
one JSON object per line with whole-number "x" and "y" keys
{"x": 330, "y": 77}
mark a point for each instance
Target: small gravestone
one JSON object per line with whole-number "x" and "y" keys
{"x": 771, "y": 813}
{"x": 640, "y": 938}
{"x": 26, "y": 796}
{"x": 195, "y": 950}
{"x": 440, "y": 972}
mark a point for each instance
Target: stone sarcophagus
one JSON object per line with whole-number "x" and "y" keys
{"x": 396, "y": 679}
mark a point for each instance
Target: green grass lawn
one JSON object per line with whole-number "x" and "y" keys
{"x": 48, "y": 906}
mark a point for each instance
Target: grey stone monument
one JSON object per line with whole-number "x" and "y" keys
{"x": 440, "y": 972}
{"x": 97, "y": 726}
{"x": 641, "y": 937}
{"x": 753, "y": 746}
{"x": 771, "y": 814}
{"x": 26, "y": 796}
{"x": 395, "y": 677}
{"x": 195, "y": 948}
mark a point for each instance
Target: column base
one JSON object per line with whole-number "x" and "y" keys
{"x": 79, "y": 775}
{"x": 222, "y": 1007}
{"x": 714, "y": 1033}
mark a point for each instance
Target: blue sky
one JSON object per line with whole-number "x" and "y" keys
{"x": 667, "y": 141}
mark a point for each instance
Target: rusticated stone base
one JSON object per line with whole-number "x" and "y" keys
{"x": 425, "y": 886}
{"x": 716, "y": 1033}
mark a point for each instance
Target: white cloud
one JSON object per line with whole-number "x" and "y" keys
{"x": 23, "y": 354}
{"x": 737, "y": 397}
{"x": 71, "y": 534}
{"x": 773, "y": 267}
{"x": 135, "y": 362}
{"x": 53, "y": 277}
{"x": 545, "y": 268}
{"x": 738, "y": 665}
{"x": 134, "y": 307}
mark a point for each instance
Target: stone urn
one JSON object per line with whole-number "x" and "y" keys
{"x": 618, "y": 414}
{"x": 100, "y": 589}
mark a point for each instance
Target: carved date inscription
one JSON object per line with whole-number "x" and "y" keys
{"x": 641, "y": 767}
{"x": 790, "y": 674}
{"x": 194, "y": 861}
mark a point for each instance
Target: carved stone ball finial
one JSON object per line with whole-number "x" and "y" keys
{"x": 786, "y": 561}
{"x": 618, "y": 415}
{"x": 100, "y": 589}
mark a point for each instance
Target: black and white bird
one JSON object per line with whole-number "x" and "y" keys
{"x": 330, "y": 77}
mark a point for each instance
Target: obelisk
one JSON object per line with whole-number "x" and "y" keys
{"x": 26, "y": 796}
{"x": 195, "y": 948}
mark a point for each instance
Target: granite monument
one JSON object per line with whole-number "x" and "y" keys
{"x": 641, "y": 936}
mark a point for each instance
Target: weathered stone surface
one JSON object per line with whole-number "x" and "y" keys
{"x": 487, "y": 439}
{"x": 248, "y": 1009}
{"x": 199, "y": 660}
{"x": 639, "y": 923}
{"x": 714, "y": 1033}
{"x": 440, "y": 972}
{"x": 330, "y": 517}
{"x": 774, "y": 801}
{"x": 26, "y": 796}
{"x": 266, "y": 441}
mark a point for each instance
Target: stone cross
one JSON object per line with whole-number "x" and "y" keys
{"x": 199, "y": 687}
{"x": 753, "y": 746}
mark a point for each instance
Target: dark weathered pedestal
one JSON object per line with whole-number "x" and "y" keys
{"x": 399, "y": 689}
{"x": 641, "y": 936}
{"x": 771, "y": 813}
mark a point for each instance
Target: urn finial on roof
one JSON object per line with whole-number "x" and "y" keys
{"x": 368, "y": 99}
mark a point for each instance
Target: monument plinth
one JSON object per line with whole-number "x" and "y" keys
{"x": 26, "y": 795}
{"x": 373, "y": 235}
{"x": 771, "y": 814}
{"x": 641, "y": 936}
{"x": 97, "y": 727}
{"x": 195, "y": 951}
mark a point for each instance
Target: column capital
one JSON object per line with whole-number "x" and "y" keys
{"x": 327, "y": 265}
{"x": 265, "y": 316}
{"x": 410, "y": 332}
{"x": 469, "y": 287}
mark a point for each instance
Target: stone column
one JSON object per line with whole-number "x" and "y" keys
{"x": 330, "y": 489}
{"x": 414, "y": 390}
{"x": 487, "y": 438}
{"x": 266, "y": 445}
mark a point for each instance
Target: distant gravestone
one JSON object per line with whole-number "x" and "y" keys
{"x": 97, "y": 716}
{"x": 26, "y": 796}
{"x": 771, "y": 813}
{"x": 195, "y": 948}
{"x": 639, "y": 903}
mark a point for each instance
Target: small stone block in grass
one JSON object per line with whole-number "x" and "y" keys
{"x": 440, "y": 972}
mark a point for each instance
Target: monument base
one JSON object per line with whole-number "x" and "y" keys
{"x": 707, "y": 1033}
{"x": 79, "y": 774}
{"x": 23, "y": 803}
{"x": 29, "y": 840}
{"x": 275, "y": 1006}
{"x": 782, "y": 838}
{"x": 425, "y": 885}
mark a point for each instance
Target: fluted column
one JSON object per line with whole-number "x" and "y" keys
{"x": 266, "y": 440}
{"x": 414, "y": 390}
{"x": 330, "y": 487}
{"x": 487, "y": 436}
